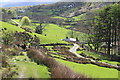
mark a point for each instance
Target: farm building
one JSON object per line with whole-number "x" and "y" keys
{"x": 69, "y": 39}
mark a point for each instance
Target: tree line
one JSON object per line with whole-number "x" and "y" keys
{"x": 106, "y": 30}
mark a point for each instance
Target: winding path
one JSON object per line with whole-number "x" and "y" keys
{"x": 73, "y": 50}
{"x": 75, "y": 47}
{"x": 16, "y": 22}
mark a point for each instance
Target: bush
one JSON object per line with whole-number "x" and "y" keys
{"x": 25, "y": 21}
{"x": 4, "y": 61}
{"x": 8, "y": 38}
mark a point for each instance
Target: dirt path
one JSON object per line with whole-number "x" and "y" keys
{"x": 21, "y": 74}
{"x": 73, "y": 50}
{"x": 22, "y": 70}
{"x": 75, "y": 47}
{"x": 16, "y": 22}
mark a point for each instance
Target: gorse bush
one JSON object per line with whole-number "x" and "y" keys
{"x": 25, "y": 21}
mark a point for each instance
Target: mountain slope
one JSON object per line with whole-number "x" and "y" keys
{"x": 65, "y": 9}
{"x": 53, "y": 9}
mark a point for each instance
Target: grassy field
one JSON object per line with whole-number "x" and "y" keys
{"x": 91, "y": 70}
{"x": 91, "y": 54}
{"x": 77, "y": 18}
{"x": 43, "y": 39}
{"x": 59, "y": 17}
{"x": 17, "y": 20}
{"x": 31, "y": 69}
{"x": 28, "y": 69}
{"x": 103, "y": 59}
{"x": 56, "y": 32}
{"x": 11, "y": 27}
{"x": 53, "y": 31}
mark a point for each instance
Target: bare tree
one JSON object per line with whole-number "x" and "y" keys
{"x": 43, "y": 21}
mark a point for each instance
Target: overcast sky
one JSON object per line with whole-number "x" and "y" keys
{"x": 3, "y": 3}
{"x": 59, "y": 0}
{"x": 29, "y": 0}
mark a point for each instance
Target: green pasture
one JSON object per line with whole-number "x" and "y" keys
{"x": 103, "y": 59}
{"x": 56, "y": 32}
{"x": 59, "y": 17}
{"x": 43, "y": 39}
{"x": 79, "y": 17}
{"x": 91, "y": 70}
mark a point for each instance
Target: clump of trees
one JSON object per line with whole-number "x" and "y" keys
{"x": 107, "y": 29}
{"x": 7, "y": 38}
{"x": 25, "y": 21}
{"x": 8, "y": 14}
{"x": 20, "y": 39}
{"x": 43, "y": 21}
{"x": 23, "y": 37}
{"x": 11, "y": 13}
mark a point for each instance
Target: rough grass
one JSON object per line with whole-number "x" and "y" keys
{"x": 10, "y": 27}
{"x": 29, "y": 69}
{"x": 91, "y": 70}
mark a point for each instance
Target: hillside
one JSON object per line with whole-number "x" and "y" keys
{"x": 44, "y": 73}
{"x": 66, "y": 9}
{"x": 86, "y": 8}
{"x": 69, "y": 11}
{"x": 44, "y": 39}
{"x": 53, "y": 9}
{"x": 60, "y": 40}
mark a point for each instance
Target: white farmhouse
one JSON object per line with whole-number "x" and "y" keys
{"x": 70, "y": 39}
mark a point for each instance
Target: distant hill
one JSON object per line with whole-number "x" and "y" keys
{"x": 58, "y": 8}
{"x": 66, "y": 9}
{"x": 17, "y": 4}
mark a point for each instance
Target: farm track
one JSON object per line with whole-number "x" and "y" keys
{"x": 16, "y": 22}
{"x": 21, "y": 74}
{"x": 73, "y": 50}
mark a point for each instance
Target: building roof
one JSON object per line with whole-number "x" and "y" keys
{"x": 70, "y": 39}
